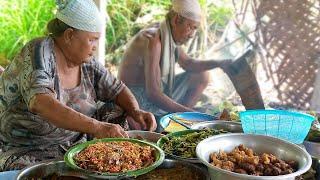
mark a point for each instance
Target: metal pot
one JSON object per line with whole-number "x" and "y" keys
{"x": 259, "y": 144}
{"x": 230, "y": 126}
{"x": 145, "y": 135}
{"x": 48, "y": 168}
{"x": 200, "y": 171}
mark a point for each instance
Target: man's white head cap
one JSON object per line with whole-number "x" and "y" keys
{"x": 189, "y": 9}
{"x": 80, "y": 14}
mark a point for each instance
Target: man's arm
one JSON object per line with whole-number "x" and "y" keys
{"x": 153, "y": 78}
{"x": 192, "y": 65}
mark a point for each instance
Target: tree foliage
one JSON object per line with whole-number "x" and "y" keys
{"x": 23, "y": 20}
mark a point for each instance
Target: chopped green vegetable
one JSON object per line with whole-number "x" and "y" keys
{"x": 185, "y": 145}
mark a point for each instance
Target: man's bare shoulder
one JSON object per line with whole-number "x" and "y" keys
{"x": 136, "y": 47}
{"x": 144, "y": 40}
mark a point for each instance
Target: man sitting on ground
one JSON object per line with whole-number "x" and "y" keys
{"x": 148, "y": 65}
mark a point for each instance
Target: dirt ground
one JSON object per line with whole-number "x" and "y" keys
{"x": 219, "y": 94}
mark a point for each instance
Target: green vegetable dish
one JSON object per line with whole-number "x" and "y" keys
{"x": 183, "y": 143}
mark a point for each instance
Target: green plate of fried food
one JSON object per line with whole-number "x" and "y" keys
{"x": 182, "y": 145}
{"x": 114, "y": 158}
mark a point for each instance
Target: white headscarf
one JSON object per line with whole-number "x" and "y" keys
{"x": 80, "y": 14}
{"x": 189, "y": 9}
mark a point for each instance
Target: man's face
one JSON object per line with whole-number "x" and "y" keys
{"x": 183, "y": 29}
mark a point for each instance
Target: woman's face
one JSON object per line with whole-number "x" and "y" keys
{"x": 82, "y": 46}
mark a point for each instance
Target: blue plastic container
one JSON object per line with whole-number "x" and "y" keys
{"x": 287, "y": 125}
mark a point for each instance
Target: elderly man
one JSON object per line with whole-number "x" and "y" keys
{"x": 148, "y": 65}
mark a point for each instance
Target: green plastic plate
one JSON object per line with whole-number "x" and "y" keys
{"x": 68, "y": 158}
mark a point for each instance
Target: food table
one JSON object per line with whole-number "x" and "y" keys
{"x": 12, "y": 174}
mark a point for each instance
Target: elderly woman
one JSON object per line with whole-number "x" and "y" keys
{"x": 54, "y": 92}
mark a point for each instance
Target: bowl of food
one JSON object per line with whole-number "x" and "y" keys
{"x": 144, "y": 135}
{"x": 182, "y": 145}
{"x": 176, "y": 170}
{"x": 316, "y": 167}
{"x": 230, "y": 126}
{"x": 247, "y": 156}
{"x": 114, "y": 158}
{"x": 189, "y": 118}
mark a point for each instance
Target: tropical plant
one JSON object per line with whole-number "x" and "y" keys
{"x": 127, "y": 17}
{"x": 23, "y": 20}
{"x": 20, "y": 21}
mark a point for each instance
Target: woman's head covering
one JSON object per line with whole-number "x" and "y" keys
{"x": 80, "y": 14}
{"x": 189, "y": 9}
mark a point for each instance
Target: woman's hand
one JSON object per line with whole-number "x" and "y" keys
{"x": 126, "y": 100}
{"x": 105, "y": 130}
{"x": 146, "y": 120}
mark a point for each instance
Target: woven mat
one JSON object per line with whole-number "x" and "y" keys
{"x": 288, "y": 34}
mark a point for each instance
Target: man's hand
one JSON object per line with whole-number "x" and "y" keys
{"x": 146, "y": 120}
{"x": 105, "y": 130}
{"x": 224, "y": 64}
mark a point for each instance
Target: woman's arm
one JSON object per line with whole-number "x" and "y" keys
{"x": 64, "y": 117}
{"x": 126, "y": 100}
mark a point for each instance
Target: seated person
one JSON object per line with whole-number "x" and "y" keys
{"x": 148, "y": 65}
{"x": 54, "y": 92}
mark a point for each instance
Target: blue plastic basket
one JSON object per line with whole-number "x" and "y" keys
{"x": 287, "y": 125}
